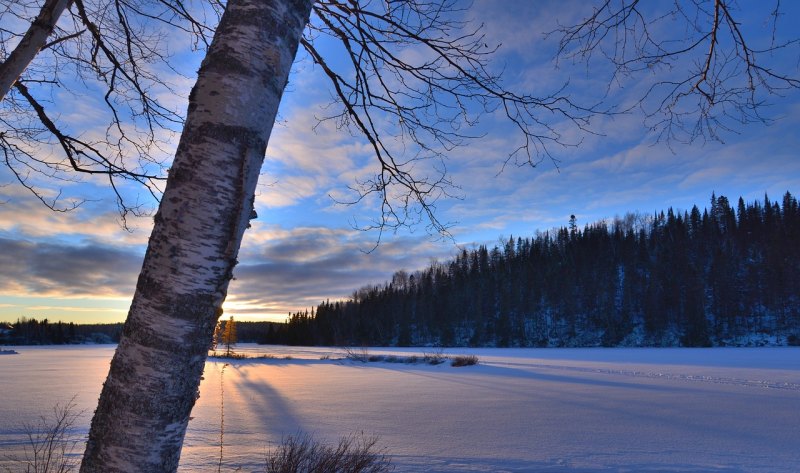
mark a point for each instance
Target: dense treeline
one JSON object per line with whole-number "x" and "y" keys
{"x": 27, "y": 331}
{"x": 698, "y": 278}
{"x": 253, "y": 332}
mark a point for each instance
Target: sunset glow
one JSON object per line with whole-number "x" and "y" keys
{"x": 82, "y": 265}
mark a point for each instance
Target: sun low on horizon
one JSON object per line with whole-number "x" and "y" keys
{"x": 307, "y": 247}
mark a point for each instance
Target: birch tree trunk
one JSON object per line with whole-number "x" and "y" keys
{"x": 30, "y": 45}
{"x": 144, "y": 407}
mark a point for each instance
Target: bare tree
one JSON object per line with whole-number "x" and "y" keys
{"x": 34, "y": 39}
{"x": 144, "y": 407}
{"x": 51, "y": 443}
{"x": 432, "y": 99}
{"x": 705, "y": 71}
{"x": 207, "y": 202}
{"x": 110, "y": 46}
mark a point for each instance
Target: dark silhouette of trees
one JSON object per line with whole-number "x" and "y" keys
{"x": 675, "y": 278}
{"x": 30, "y": 331}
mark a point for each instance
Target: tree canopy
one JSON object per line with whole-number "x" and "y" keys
{"x": 721, "y": 275}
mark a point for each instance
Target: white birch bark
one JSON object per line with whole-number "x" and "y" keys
{"x": 30, "y": 45}
{"x": 154, "y": 377}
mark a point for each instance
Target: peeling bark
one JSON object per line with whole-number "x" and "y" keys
{"x": 153, "y": 382}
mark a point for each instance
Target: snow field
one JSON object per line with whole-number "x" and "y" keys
{"x": 519, "y": 410}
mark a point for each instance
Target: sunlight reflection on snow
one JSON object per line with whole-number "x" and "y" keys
{"x": 573, "y": 410}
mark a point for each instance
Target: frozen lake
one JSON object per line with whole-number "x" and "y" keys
{"x": 520, "y": 410}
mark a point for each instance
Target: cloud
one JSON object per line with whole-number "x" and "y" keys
{"x": 61, "y": 270}
{"x": 610, "y": 175}
{"x": 300, "y": 252}
{"x": 25, "y": 217}
{"x": 287, "y": 191}
{"x": 298, "y": 268}
{"x": 62, "y": 308}
{"x": 310, "y": 160}
{"x": 281, "y": 269}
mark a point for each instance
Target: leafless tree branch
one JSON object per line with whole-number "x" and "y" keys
{"x": 118, "y": 46}
{"x": 709, "y": 76}
{"x": 417, "y": 63}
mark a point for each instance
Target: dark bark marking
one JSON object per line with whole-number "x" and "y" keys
{"x": 153, "y": 381}
{"x": 250, "y": 138}
{"x": 222, "y": 60}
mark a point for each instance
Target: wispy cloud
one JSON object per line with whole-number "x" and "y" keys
{"x": 62, "y": 308}
{"x": 300, "y": 250}
{"x": 59, "y": 270}
{"x": 24, "y": 216}
{"x": 297, "y": 268}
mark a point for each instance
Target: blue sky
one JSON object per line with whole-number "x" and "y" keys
{"x": 82, "y": 265}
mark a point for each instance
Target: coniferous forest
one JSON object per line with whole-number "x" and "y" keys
{"x": 719, "y": 276}
{"x": 30, "y": 331}
{"x": 716, "y": 277}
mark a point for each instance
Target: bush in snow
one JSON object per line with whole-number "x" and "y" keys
{"x": 353, "y": 454}
{"x": 464, "y": 360}
{"x": 354, "y": 354}
{"x": 435, "y": 357}
{"x": 51, "y": 444}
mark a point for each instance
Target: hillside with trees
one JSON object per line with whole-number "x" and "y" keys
{"x": 30, "y": 331}
{"x": 719, "y": 276}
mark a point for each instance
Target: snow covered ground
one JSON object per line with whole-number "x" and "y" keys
{"x": 520, "y": 410}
